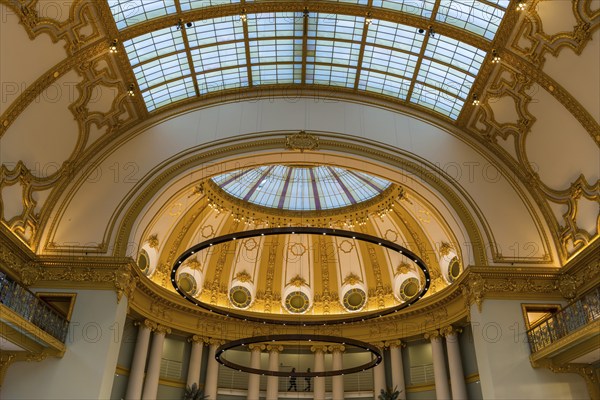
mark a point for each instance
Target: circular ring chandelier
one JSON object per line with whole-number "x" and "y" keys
{"x": 304, "y": 338}
{"x": 291, "y": 231}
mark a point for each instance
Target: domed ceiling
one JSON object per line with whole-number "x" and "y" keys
{"x": 296, "y": 273}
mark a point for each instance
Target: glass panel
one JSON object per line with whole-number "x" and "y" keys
{"x": 330, "y": 52}
{"x": 211, "y": 31}
{"x": 330, "y": 75}
{"x": 168, "y": 93}
{"x": 161, "y": 70}
{"x": 422, "y": 8}
{"x": 385, "y": 84}
{"x": 456, "y": 53}
{"x": 221, "y": 56}
{"x": 153, "y": 44}
{"x": 263, "y": 25}
{"x": 194, "y": 4}
{"x": 335, "y": 26}
{"x": 131, "y": 12}
{"x": 280, "y": 50}
{"x": 475, "y": 16}
{"x": 434, "y": 99}
{"x": 390, "y": 61}
{"x": 445, "y": 78}
{"x": 222, "y": 80}
{"x": 276, "y": 73}
{"x": 390, "y": 34}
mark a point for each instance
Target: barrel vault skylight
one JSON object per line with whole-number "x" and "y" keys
{"x": 300, "y": 188}
{"x": 239, "y": 49}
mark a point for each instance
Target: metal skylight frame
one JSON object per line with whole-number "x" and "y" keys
{"x": 383, "y": 57}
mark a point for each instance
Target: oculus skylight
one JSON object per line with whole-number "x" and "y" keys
{"x": 350, "y": 52}
{"x": 300, "y": 188}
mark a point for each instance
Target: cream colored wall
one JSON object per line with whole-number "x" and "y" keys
{"x": 462, "y": 166}
{"x": 88, "y": 367}
{"x": 503, "y": 358}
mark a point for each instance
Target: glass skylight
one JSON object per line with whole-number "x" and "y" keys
{"x": 272, "y": 48}
{"x": 301, "y": 188}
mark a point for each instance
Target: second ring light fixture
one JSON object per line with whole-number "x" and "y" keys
{"x": 248, "y": 316}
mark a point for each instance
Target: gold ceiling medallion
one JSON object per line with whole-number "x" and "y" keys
{"x": 297, "y": 281}
{"x": 243, "y": 276}
{"x": 445, "y": 249}
{"x": 193, "y": 264}
{"x": 302, "y": 141}
{"x": 403, "y": 268}
{"x": 351, "y": 279}
{"x": 153, "y": 241}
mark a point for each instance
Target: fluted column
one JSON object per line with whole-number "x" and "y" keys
{"x": 153, "y": 373}
{"x": 194, "y": 365}
{"x": 319, "y": 366}
{"x": 442, "y": 391}
{"x": 337, "y": 381}
{"x": 273, "y": 381}
{"x": 379, "y": 375}
{"x": 136, "y": 375}
{"x": 457, "y": 376}
{"x": 397, "y": 367}
{"x": 212, "y": 371}
{"x": 254, "y": 379}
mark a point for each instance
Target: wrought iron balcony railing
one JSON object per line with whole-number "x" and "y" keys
{"x": 31, "y": 308}
{"x": 574, "y": 316}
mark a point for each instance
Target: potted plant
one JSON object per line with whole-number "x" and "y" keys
{"x": 194, "y": 393}
{"x": 389, "y": 394}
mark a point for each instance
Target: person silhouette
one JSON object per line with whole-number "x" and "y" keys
{"x": 293, "y": 381}
{"x": 308, "y": 380}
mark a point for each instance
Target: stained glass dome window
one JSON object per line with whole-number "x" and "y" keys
{"x": 301, "y": 188}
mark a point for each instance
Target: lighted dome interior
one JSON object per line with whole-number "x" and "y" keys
{"x": 301, "y": 188}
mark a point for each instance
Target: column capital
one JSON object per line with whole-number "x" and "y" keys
{"x": 432, "y": 335}
{"x": 336, "y": 348}
{"x": 379, "y": 345}
{"x": 162, "y": 330}
{"x": 214, "y": 341}
{"x": 450, "y": 330}
{"x": 146, "y": 324}
{"x": 274, "y": 348}
{"x": 395, "y": 343}
{"x": 319, "y": 348}
{"x": 257, "y": 346}
{"x": 196, "y": 339}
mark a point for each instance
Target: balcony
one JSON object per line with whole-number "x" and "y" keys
{"x": 28, "y": 323}
{"x": 570, "y": 335}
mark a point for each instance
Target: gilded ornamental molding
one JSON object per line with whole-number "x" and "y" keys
{"x": 302, "y": 141}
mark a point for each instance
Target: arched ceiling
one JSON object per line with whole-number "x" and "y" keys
{"x": 89, "y": 169}
{"x": 389, "y": 48}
